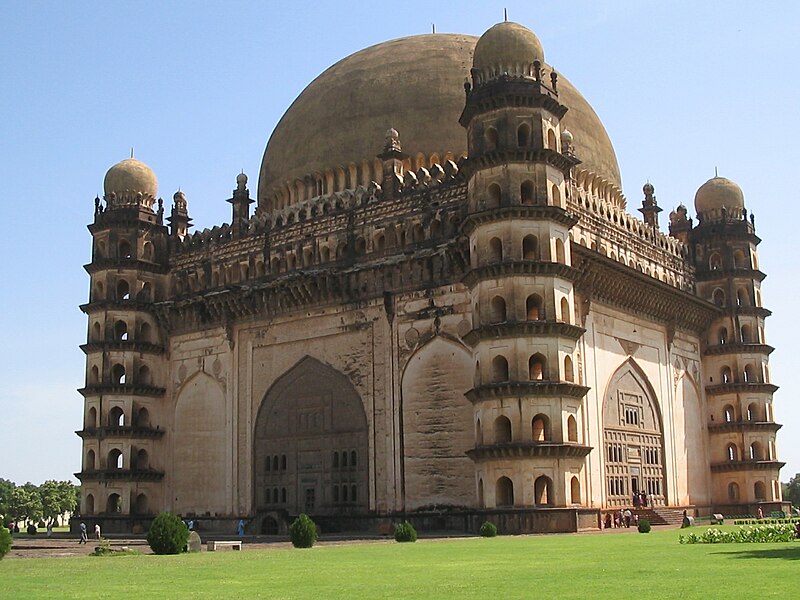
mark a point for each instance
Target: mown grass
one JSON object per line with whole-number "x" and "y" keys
{"x": 611, "y": 565}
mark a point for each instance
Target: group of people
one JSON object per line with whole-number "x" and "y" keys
{"x": 621, "y": 518}
{"x": 84, "y": 537}
{"x": 642, "y": 499}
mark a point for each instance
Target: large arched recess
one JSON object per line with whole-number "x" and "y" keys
{"x": 633, "y": 437}
{"x": 310, "y": 450}
{"x": 692, "y": 453}
{"x": 438, "y": 426}
{"x": 200, "y": 476}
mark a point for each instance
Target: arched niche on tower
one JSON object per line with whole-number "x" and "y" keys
{"x": 311, "y": 414}
{"x": 438, "y": 425}
{"x": 200, "y": 461}
{"x": 632, "y": 424}
{"x": 691, "y": 462}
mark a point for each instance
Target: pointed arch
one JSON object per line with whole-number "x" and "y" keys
{"x": 434, "y": 380}
{"x": 307, "y": 414}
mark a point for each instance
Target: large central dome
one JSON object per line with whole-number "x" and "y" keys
{"x": 414, "y": 84}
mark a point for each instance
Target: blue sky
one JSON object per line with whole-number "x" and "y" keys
{"x": 196, "y": 89}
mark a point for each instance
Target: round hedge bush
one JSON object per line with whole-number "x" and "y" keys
{"x": 303, "y": 532}
{"x": 405, "y": 532}
{"x": 488, "y": 529}
{"x": 168, "y": 534}
{"x": 644, "y": 526}
{"x": 5, "y": 541}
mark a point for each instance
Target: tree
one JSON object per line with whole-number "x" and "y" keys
{"x": 791, "y": 490}
{"x": 6, "y": 489}
{"x": 57, "y": 497}
{"x": 26, "y": 504}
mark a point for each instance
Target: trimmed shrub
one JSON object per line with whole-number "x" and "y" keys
{"x": 743, "y": 535}
{"x": 488, "y": 529}
{"x": 168, "y": 534}
{"x": 5, "y": 541}
{"x": 405, "y": 532}
{"x": 303, "y": 532}
{"x": 644, "y": 526}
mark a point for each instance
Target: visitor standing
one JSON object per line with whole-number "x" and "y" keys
{"x": 49, "y": 529}
{"x": 760, "y": 513}
{"x": 84, "y": 538}
{"x": 241, "y": 527}
{"x": 97, "y": 531}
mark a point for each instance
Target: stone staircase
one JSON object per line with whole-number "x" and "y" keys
{"x": 661, "y": 515}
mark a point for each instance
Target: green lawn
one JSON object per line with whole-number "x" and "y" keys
{"x": 625, "y": 565}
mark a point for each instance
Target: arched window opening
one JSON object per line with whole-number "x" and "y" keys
{"x": 275, "y": 463}
{"x": 336, "y": 493}
{"x": 728, "y": 413}
{"x": 742, "y": 297}
{"x": 524, "y": 135}
{"x": 718, "y": 297}
{"x": 344, "y": 493}
{"x": 98, "y": 291}
{"x": 89, "y": 504}
{"x": 575, "y": 490}
{"x": 491, "y": 139}
{"x": 145, "y": 377}
{"x": 142, "y": 460}
{"x": 526, "y": 192}
{"x": 147, "y": 251}
{"x": 116, "y": 417}
{"x": 123, "y": 290}
{"x": 534, "y": 307}
{"x": 543, "y": 491}
{"x": 556, "y": 194}
{"x": 760, "y": 490}
{"x": 353, "y": 458}
{"x": 494, "y": 196}
{"x": 551, "y": 140}
{"x": 100, "y": 251}
{"x": 540, "y": 428}
{"x": 283, "y": 495}
{"x": 91, "y": 418}
{"x": 565, "y": 312}
{"x": 495, "y": 250}
{"x": 146, "y": 333}
{"x": 324, "y": 254}
{"x": 750, "y": 374}
{"x": 733, "y": 491}
{"x": 733, "y": 452}
{"x": 726, "y": 375}
{"x": 537, "y": 365}
{"x": 114, "y": 459}
{"x": 502, "y": 430}
{"x": 530, "y": 248}
{"x": 722, "y": 336}
{"x": 569, "y": 374}
{"x": 344, "y": 458}
{"x": 335, "y": 460}
{"x": 146, "y": 293}
{"x": 94, "y": 375}
{"x": 140, "y": 505}
{"x": 478, "y": 433}
{"x": 124, "y": 249}
{"x": 90, "y": 464}
{"x": 499, "y": 369}
{"x": 284, "y": 462}
{"x": 379, "y": 243}
{"x": 497, "y": 308}
{"x": 504, "y": 492}
{"x": 361, "y": 243}
{"x": 97, "y": 332}
{"x": 481, "y": 501}
{"x": 143, "y": 418}
{"x": 756, "y": 451}
{"x": 747, "y": 334}
{"x": 572, "y": 429}
{"x": 754, "y": 412}
{"x": 714, "y": 262}
{"x": 561, "y": 255}
{"x": 739, "y": 259}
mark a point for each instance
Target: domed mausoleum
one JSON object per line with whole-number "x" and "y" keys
{"x": 439, "y": 309}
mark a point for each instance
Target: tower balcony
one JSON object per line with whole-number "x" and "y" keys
{"x": 520, "y": 267}
{"x": 746, "y": 465}
{"x": 120, "y": 475}
{"x": 105, "y": 264}
{"x": 123, "y": 345}
{"x": 537, "y": 212}
{"x": 737, "y": 272}
{"x": 528, "y": 450}
{"x": 122, "y": 389}
{"x": 738, "y": 348}
{"x": 750, "y": 387}
{"x": 514, "y": 329}
{"x": 121, "y": 431}
{"x": 517, "y": 389}
{"x": 100, "y": 305}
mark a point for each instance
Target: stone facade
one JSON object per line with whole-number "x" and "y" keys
{"x": 468, "y": 332}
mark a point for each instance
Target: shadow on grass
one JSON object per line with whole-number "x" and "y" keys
{"x": 790, "y": 553}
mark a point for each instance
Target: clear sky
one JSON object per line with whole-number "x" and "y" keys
{"x": 197, "y": 87}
